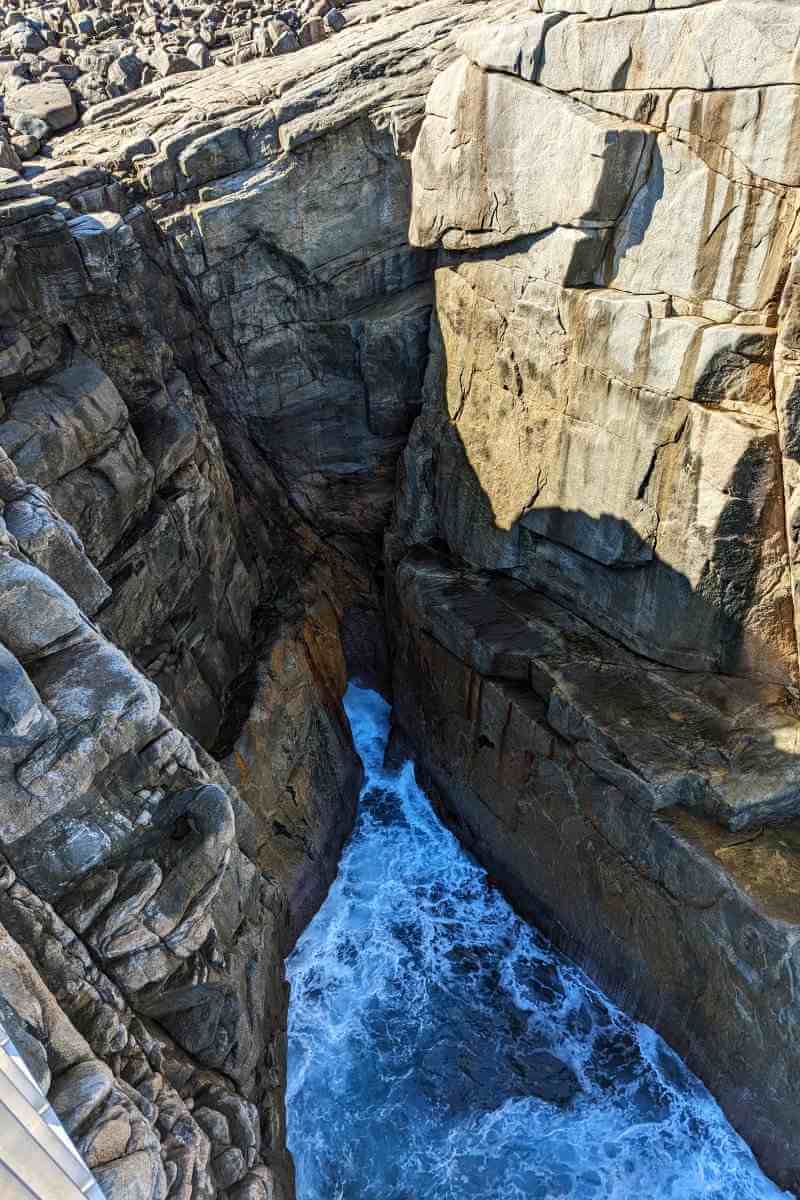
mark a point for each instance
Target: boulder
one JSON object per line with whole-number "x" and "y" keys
{"x": 198, "y": 54}
{"x": 125, "y": 73}
{"x": 50, "y": 102}
{"x": 335, "y": 20}
{"x": 29, "y": 125}
{"x": 25, "y": 147}
{"x": 169, "y": 62}
{"x": 312, "y": 31}
{"x": 22, "y": 38}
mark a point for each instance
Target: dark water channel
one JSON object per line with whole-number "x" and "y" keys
{"x": 439, "y": 1049}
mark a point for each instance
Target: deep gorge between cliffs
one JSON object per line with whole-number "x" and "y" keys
{"x": 440, "y": 1048}
{"x": 458, "y": 355}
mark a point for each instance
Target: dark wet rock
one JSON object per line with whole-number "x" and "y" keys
{"x": 470, "y": 1072}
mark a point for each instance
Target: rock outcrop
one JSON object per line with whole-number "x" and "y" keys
{"x": 485, "y": 316}
{"x": 296, "y": 724}
{"x": 210, "y": 359}
{"x": 594, "y": 555}
{"x": 57, "y": 61}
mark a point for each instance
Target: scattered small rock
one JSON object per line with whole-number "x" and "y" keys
{"x": 58, "y": 61}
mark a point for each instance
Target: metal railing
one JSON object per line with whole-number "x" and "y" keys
{"x": 37, "y": 1159}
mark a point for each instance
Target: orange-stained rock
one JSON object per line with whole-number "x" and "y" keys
{"x": 294, "y": 762}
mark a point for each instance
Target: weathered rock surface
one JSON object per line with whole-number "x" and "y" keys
{"x": 293, "y": 762}
{"x": 109, "y": 1128}
{"x": 204, "y": 397}
{"x": 100, "y": 788}
{"x": 593, "y": 560}
{"x": 692, "y": 927}
{"x": 286, "y": 211}
{"x": 60, "y": 60}
{"x": 216, "y": 347}
{"x": 697, "y": 741}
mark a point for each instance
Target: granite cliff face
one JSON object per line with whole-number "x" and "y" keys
{"x": 212, "y": 345}
{"x": 594, "y": 592}
{"x": 482, "y": 321}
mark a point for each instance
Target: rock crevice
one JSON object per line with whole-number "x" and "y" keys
{"x": 479, "y": 321}
{"x": 592, "y": 585}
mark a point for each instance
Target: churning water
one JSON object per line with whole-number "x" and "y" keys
{"x": 439, "y": 1049}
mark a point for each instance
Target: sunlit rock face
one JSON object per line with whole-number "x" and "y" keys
{"x": 216, "y": 340}
{"x": 594, "y": 549}
{"x": 608, "y": 374}
{"x": 213, "y": 338}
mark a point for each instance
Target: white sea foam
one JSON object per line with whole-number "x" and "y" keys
{"x": 420, "y": 1008}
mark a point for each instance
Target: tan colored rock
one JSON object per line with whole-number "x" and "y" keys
{"x": 294, "y": 764}
{"x": 758, "y": 127}
{"x": 748, "y": 134}
{"x": 787, "y": 407}
{"x": 638, "y": 340}
{"x": 474, "y": 184}
{"x": 730, "y": 44}
{"x": 581, "y": 432}
{"x": 49, "y": 101}
{"x": 489, "y": 167}
{"x": 735, "y": 240}
{"x": 613, "y": 8}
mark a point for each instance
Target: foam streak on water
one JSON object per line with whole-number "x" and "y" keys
{"x": 439, "y": 1049}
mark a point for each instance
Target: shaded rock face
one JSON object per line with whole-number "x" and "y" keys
{"x": 593, "y": 563}
{"x": 96, "y": 412}
{"x": 296, "y": 724}
{"x": 218, "y": 346}
{"x": 315, "y": 295}
{"x": 213, "y": 340}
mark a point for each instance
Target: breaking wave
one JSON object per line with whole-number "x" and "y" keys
{"x": 440, "y": 1049}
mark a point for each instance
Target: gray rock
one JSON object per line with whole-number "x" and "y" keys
{"x": 31, "y": 1049}
{"x": 48, "y": 540}
{"x": 285, "y": 42}
{"x": 22, "y": 38}
{"x": 102, "y": 706}
{"x": 335, "y": 20}
{"x": 24, "y": 720}
{"x": 50, "y": 102}
{"x": 31, "y": 125}
{"x": 229, "y": 1167}
{"x": 110, "y": 1131}
{"x": 25, "y": 146}
{"x": 215, "y": 1125}
{"x": 197, "y": 53}
{"x": 34, "y": 611}
{"x": 167, "y": 63}
{"x": 125, "y": 74}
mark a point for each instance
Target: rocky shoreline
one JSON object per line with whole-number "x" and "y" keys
{"x": 58, "y": 60}
{"x": 474, "y": 322}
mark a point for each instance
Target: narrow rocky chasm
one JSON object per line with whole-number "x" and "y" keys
{"x": 457, "y": 352}
{"x": 438, "y": 1046}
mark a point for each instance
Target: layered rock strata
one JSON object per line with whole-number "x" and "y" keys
{"x": 594, "y": 587}
{"x": 285, "y": 209}
{"x": 215, "y": 348}
{"x": 210, "y": 359}
{"x": 57, "y": 61}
